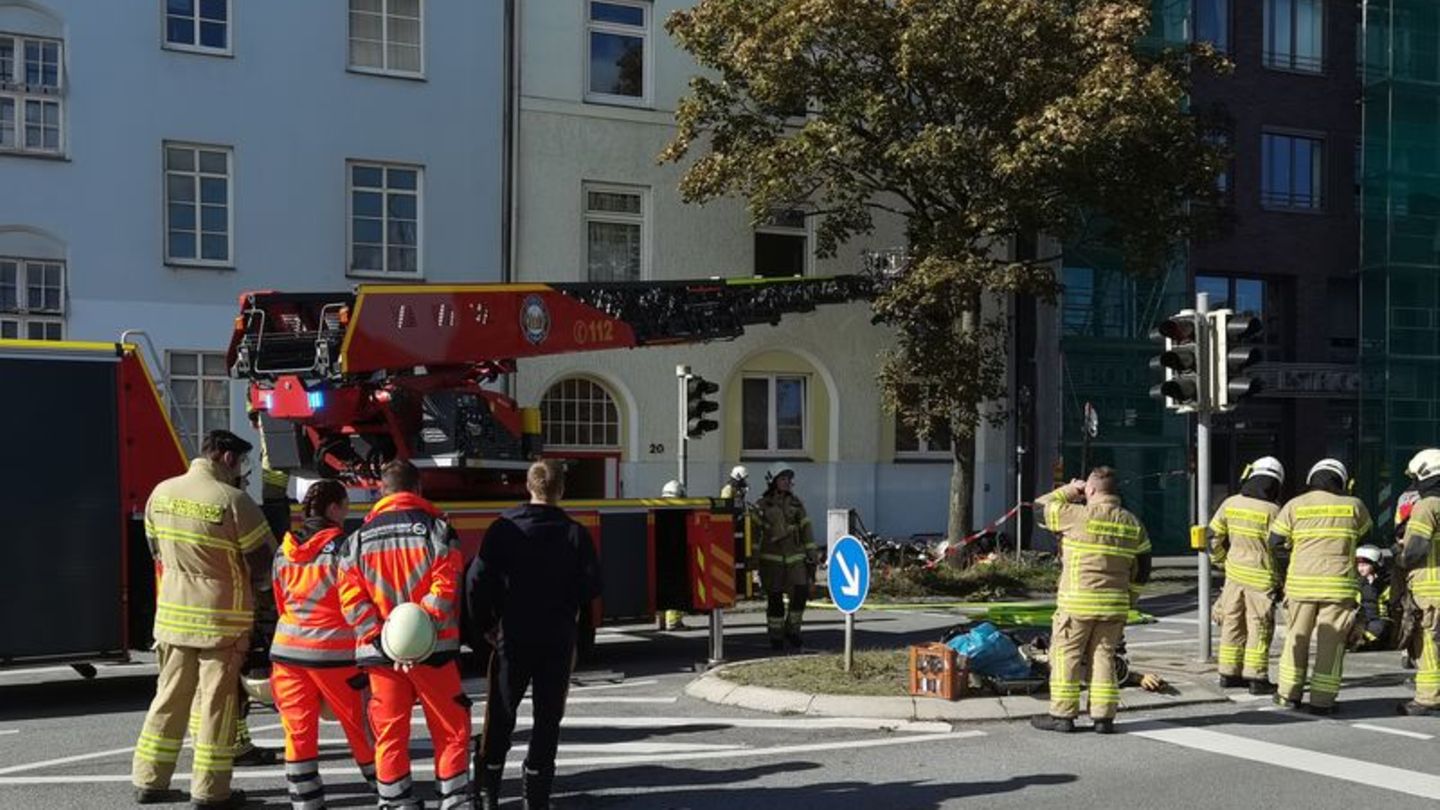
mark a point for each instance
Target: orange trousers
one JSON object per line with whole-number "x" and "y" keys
{"x": 447, "y": 714}
{"x": 298, "y": 691}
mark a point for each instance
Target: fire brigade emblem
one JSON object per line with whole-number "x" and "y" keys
{"x": 535, "y": 319}
{"x": 419, "y": 529}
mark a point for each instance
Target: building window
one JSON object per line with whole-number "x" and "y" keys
{"x": 580, "y": 413}
{"x": 31, "y": 95}
{"x": 615, "y": 232}
{"x": 197, "y": 204}
{"x": 1248, "y": 296}
{"x": 908, "y": 441}
{"x": 1212, "y": 23}
{"x": 385, "y": 219}
{"x": 1293, "y": 171}
{"x": 32, "y": 299}
{"x": 773, "y": 414}
{"x": 386, "y": 36}
{"x": 198, "y": 25}
{"x": 782, "y": 245}
{"x": 1295, "y": 35}
{"x": 618, "y": 41}
{"x": 199, "y": 395}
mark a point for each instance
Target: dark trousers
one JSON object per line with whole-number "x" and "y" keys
{"x": 546, "y": 671}
{"x": 778, "y": 621}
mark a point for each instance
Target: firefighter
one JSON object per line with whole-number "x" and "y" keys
{"x": 736, "y": 486}
{"x": 536, "y": 572}
{"x": 1105, "y": 557}
{"x": 406, "y": 551}
{"x": 671, "y": 619}
{"x": 1240, "y": 534}
{"x": 210, "y": 542}
{"x": 787, "y": 556}
{"x": 1420, "y": 557}
{"x": 1403, "y": 606}
{"x": 1314, "y": 538}
{"x": 313, "y": 654}
{"x": 1372, "y": 617}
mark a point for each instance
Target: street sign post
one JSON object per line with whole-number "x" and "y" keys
{"x": 849, "y": 578}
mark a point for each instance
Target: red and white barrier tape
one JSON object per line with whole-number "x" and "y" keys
{"x": 990, "y": 527}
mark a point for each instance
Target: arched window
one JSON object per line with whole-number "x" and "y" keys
{"x": 577, "y": 412}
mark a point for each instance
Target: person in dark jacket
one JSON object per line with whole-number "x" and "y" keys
{"x": 536, "y": 571}
{"x": 1372, "y": 618}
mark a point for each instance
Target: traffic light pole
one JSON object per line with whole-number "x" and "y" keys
{"x": 1202, "y": 474}
{"x": 682, "y": 445}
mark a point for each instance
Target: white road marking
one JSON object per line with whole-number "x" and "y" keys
{"x": 30, "y": 766}
{"x": 5, "y": 731}
{"x": 514, "y": 764}
{"x": 625, "y": 685}
{"x": 1176, "y": 620}
{"x": 618, "y": 638}
{"x": 1370, "y": 774}
{"x": 1163, "y": 630}
{"x": 1399, "y": 732}
{"x": 1169, "y": 642}
{"x": 664, "y": 747}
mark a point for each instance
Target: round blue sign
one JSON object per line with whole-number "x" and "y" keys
{"x": 849, "y": 574}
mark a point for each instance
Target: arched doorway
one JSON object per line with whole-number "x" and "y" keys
{"x": 581, "y": 423}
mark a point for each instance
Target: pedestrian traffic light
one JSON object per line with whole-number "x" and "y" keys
{"x": 1180, "y": 361}
{"x": 697, "y": 407}
{"x": 1235, "y": 351}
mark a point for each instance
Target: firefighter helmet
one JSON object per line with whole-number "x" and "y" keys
{"x": 1332, "y": 466}
{"x": 739, "y": 473}
{"x": 1424, "y": 464}
{"x": 673, "y": 489}
{"x": 778, "y": 469}
{"x": 408, "y": 635}
{"x": 258, "y": 690}
{"x": 1370, "y": 553}
{"x": 1269, "y": 465}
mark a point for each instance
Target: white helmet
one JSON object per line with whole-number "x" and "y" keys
{"x": 1268, "y": 465}
{"x": 1424, "y": 464}
{"x": 672, "y": 489}
{"x": 1329, "y": 465}
{"x": 778, "y": 469}
{"x": 258, "y": 690}
{"x": 408, "y": 635}
{"x": 739, "y": 473}
{"x": 1370, "y": 553}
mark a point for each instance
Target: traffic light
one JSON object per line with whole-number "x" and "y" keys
{"x": 1235, "y": 351}
{"x": 1181, "y": 361}
{"x": 697, "y": 407}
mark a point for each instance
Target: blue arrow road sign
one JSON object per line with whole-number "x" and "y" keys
{"x": 849, "y": 574}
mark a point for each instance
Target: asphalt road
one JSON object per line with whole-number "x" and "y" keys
{"x": 632, "y": 739}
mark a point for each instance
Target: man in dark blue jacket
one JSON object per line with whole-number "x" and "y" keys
{"x": 536, "y": 571}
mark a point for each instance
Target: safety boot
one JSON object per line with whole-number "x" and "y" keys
{"x": 537, "y": 788}
{"x": 794, "y": 640}
{"x": 1231, "y": 681}
{"x": 1320, "y": 711}
{"x": 1262, "y": 686}
{"x": 1416, "y": 709}
{"x": 157, "y": 796}
{"x": 235, "y": 800}
{"x": 1105, "y": 726}
{"x": 491, "y": 778}
{"x": 1285, "y": 703}
{"x": 1046, "y": 722}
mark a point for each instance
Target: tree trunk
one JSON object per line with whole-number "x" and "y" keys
{"x": 962, "y": 487}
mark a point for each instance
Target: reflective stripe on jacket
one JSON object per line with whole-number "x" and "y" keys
{"x": 1101, "y": 546}
{"x": 1321, "y": 530}
{"x": 311, "y": 630}
{"x": 1241, "y": 541}
{"x": 405, "y": 552}
{"x": 199, "y": 528}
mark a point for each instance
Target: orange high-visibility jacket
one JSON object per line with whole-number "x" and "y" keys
{"x": 405, "y": 552}
{"x": 312, "y": 630}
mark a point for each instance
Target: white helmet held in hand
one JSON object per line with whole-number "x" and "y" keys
{"x": 1269, "y": 465}
{"x": 408, "y": 635}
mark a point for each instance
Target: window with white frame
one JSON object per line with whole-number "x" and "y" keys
{"x": 773, "y": 414}
{"x": 387, "y": 36}
{"x": 1295, "y": 35}
{"x": 32, "y": 299}
{"x": 782, "y": 245}
{"x": 908, "y": 441}
{"x": 580, "y": 413}
{"x": 31, "y": 95}
{"x": 198, "y": 204}
{"x": 615, "y": 232}
{"x": 198, "y": 25}
{"x": 199, "y": 395}
{"x": 385, "y": 218}
{"x": 617, "y": 51}
{"x": 1293, "y": 171}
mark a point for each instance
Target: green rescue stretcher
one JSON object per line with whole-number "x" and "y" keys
{"x": 1000, "y": 614}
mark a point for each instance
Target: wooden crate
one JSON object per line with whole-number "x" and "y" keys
{"x": 939, "y": 672}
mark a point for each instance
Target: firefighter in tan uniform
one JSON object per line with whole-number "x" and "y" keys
{"x": 787, "y": 556}
{"x": 1420, "y": 556}
{"x": 1105, "y": 557}
{"x": 1240, "y": 541}
{"x": 1318, "y": 533}
{"x": 211, "y": 542}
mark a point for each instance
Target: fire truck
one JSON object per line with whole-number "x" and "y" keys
{"x": 341, "y": 383}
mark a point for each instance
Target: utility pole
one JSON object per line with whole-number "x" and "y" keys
{"x": 682, "y": 444}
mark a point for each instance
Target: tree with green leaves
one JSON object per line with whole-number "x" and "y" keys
{"x": 976, "y": 123}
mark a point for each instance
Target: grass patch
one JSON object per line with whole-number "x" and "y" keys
{"x": 879, "y": 673}
{"x": 1001, "y": 580}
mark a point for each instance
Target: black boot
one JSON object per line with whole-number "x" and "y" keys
{"x": 1286, "y": 703}
{"x": 537, "y": 788}
{"x": 793, "y": 639}
{"x": 1105, "y": 726}
{"x": 1415, "y": 709}
{"x": 491, "y": 777}
{"x": 1231, "y": 681}
{"x": 1046, "y": 722}
{"x": 777, "y": 644}
{"x": 1262, "y": 686}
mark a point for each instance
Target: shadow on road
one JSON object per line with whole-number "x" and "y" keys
{"x": 71, "y": 698}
